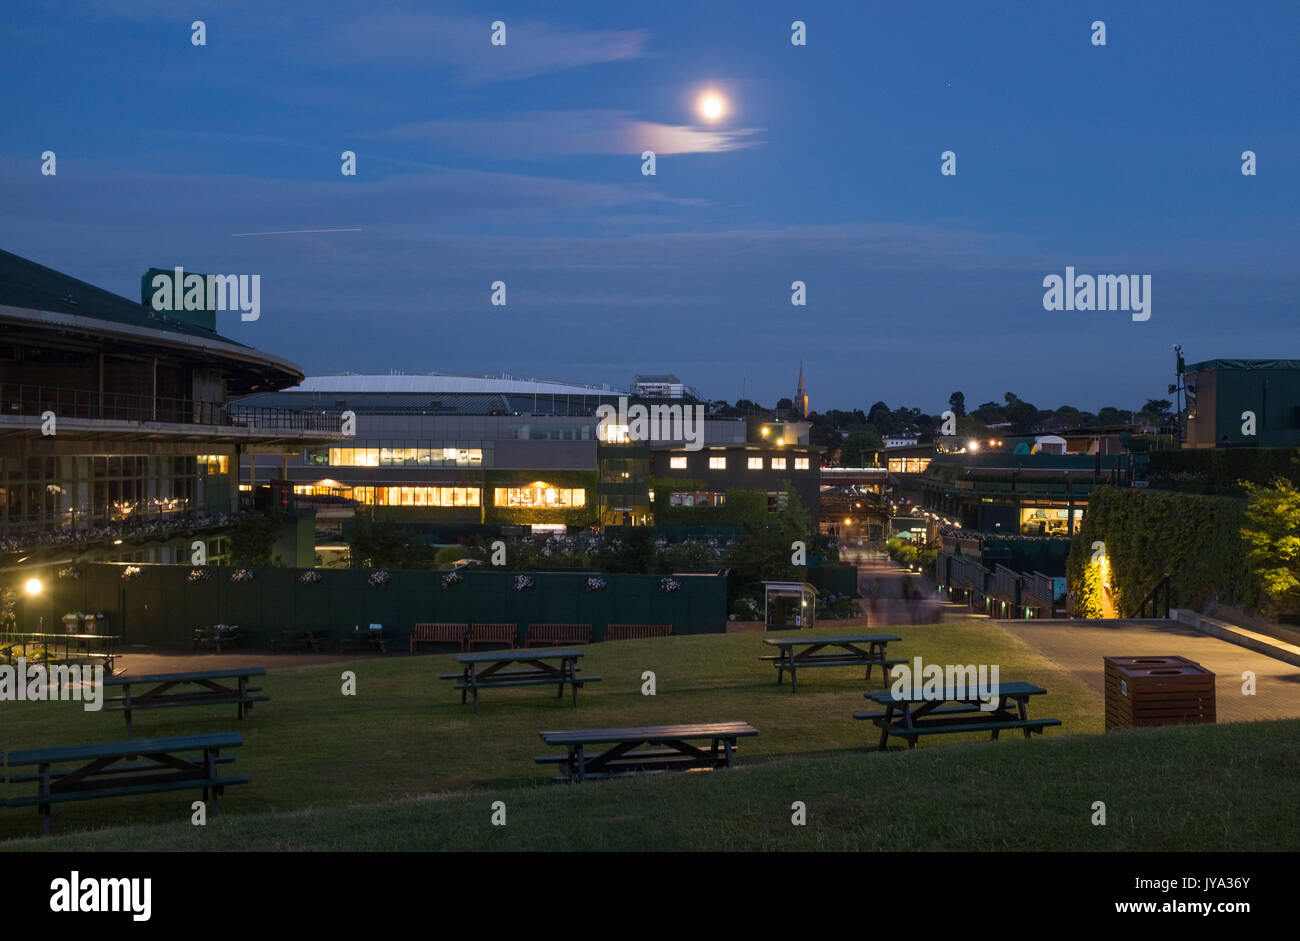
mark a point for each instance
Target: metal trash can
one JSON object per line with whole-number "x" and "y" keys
{"x": 1142, "y": 691}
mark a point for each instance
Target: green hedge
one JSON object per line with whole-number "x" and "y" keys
{"x": 1220, "y": 470}
{"x": 1196, "y": 539}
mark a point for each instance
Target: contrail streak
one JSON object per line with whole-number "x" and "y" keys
{"x": 293, "y": 232}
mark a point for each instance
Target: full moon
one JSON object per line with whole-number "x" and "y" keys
{"x": 711, "y": 106}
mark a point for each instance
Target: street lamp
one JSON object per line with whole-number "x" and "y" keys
{"x": 33, "y": 586}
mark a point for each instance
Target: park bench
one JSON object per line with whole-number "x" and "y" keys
{"x": 535, "y": 672}
{"x": 914, "y": 715}
{"x": 439, "y": 632}
{"x": 648, "y": 749}
{"x": 215, "y": 636}
{"x": 155, "y": 766}
{"x": 493, "y": 634}
{"x": 843, "y": 651}
{"x": 539, "y": 634}
{"x": 203, "y": 688}
{"x": 637, "y": 631}
{"x": 296, "y": 640}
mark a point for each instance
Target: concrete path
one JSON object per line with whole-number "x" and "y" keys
{"x": 1079, "y": 645}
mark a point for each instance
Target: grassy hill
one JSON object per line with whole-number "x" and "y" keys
{"x": 403, "y": 765}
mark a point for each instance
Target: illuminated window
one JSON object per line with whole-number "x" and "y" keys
{"x": 778, "y": 463}
{"x": 801, "y": 463}
{"x": 414, "y": 496}
{"x": 755, "y": 463}
{"x": 617, "y": 434}
{"x": 717, "y": 463}
{"x": 677, "y": 463}
{"x": 214, "y": 463}
{"x": 540, "y": 496}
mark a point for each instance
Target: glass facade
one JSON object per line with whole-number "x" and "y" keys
{"x": 50, "y": 493}
{"x": 540, "y": 496}
{"x": 400, "y": 456}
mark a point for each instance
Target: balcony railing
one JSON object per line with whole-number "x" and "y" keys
{"x": 16, "y": 399}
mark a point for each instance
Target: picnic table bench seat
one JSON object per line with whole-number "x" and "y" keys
{"x": 851, "y": 650}
{"x": 539, "y": 634}
{"x": 95, "y": 775}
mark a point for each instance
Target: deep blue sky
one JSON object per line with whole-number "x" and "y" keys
{"x": 521, "y": 163}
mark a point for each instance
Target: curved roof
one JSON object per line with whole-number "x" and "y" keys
{"x": 437, "y": 383}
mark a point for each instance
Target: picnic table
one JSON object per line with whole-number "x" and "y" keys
{"x": 487, "y": 670}
{"x": 216, "y": 635}
{"x": 154, "y": 766}
{"x": 914, "y": 715}
{"x": 170, "y": 690}
{"x": 369, "y": 639}
{"x": 51, "y": 642}
{"x": 844, "y": 651}
{"x": 629, "y": 750}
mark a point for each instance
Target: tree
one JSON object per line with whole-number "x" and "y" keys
{"x": 1160, "y": 408}
{"x": 957, "y": 402}
{"x": 385, "y": 545}
{"x": 857, "y": 448}
{"x": 253, "y": 538}
{"x": 1022, "y": 415}
{"x": 990, "y": 413}
{"x": 1272, "y": 533}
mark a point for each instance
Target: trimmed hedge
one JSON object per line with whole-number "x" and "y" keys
{"x": 1196, "y": 539}
{"x": 1220, "y": 470}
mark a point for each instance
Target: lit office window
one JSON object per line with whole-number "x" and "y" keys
{"x": 540, "y": 496}
{"x": 717, "y": 463}
{"x": 801, "y": 463}
{"x": 778, "y": 463}
{"x": 677, "y": 463}
{"x": 755, "y": 463}
{"x": 213, "y": 463}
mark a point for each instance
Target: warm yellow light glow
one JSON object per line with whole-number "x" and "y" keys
{"x": 33, "y": 586}
{"x": 780, "y": 442}
{"x": 973, "y": 446}
{"x": 766, "y": 432}
{"x": 711, "y": 106}
{"x": 847, "y": 521}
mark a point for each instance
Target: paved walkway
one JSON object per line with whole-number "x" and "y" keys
{"x": 1079, "y": 645}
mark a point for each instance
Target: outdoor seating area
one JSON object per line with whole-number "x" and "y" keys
{"x": 488, "y": 671}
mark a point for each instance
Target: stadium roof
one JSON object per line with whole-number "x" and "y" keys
{"x": 438, "y": 384}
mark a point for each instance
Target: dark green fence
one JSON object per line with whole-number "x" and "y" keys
{"x": 159, "y": 607}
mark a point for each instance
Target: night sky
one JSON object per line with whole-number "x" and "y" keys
{"x": 521, "y": 163}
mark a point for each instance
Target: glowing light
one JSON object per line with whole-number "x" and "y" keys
{"x": 711, "y": 106}
{"x": 766, "y": 432}
{"x": 972, "y": 445}
{"x": 33, "y": 586}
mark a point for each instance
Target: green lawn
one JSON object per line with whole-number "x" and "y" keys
{"x": 403, "y": 765}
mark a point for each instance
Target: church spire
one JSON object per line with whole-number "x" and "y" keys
{"x": 801, "y": 397}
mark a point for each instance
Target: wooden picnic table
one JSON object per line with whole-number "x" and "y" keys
{"x": 536, "y": 671}
{"x": 368, "y": 639}
{"x": 94, "y": 772}
{"x": 215, "y": 635}
{"x": 50, "y": 641}
{"x": 913, "y": 715}
{"x": 626, "y": 754}
{"x": 202, "y": 688}
{"x": 844, "y": 651}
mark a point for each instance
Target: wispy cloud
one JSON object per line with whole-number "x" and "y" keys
{"x": 563, "y": 133}
{"x": 463, "y": 45}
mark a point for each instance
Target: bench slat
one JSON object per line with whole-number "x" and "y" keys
{"x": 955, "y": 728}
{"x": 139, "y": 746}
{"x": 649, "y": 733}
{"x": 128, "y": 790}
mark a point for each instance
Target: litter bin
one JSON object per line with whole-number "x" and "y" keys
{"x": 1142, "y": 691}
{"x": 72, "y": 624}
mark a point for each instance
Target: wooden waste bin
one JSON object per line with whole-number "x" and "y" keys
{"x": 1157, "y": 691}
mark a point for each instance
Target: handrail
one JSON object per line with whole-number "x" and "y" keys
{"x": 30, "y": 400}
{"x": 1151, "y": 598}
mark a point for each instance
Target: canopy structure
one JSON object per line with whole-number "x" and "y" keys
{"x": 788, "y": 605}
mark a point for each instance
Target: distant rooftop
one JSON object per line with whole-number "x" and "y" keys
{"x": 442, "y": 384}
